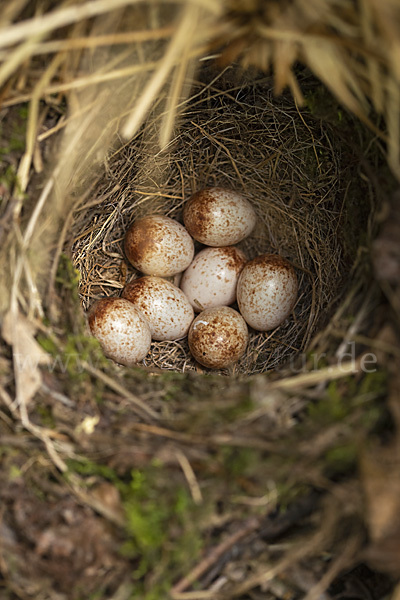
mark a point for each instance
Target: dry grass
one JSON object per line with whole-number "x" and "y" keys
{"x": 233, "y": 133}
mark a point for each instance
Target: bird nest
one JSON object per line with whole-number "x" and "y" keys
{"x": 297, "y": 172}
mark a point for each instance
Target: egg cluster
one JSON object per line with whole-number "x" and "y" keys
{"x": 151, "y": 307}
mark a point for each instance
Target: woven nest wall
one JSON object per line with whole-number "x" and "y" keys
{"x": 233, "y": 133}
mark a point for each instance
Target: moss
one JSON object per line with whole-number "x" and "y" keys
{"x": 374, "y": 383}
{"x": 341, "y": 459}
{"x": 344, "y": 396}
{"x": 15, "y": 472}
{"x": 86, "y": 467}
{"x": 358, "y": 405}
{"x": 68, "y": 276}
{"x": 162, "y": 531}
{"x": 289, "y": 493}
{"x": 69, "y": 355}
{"x": 13, "y": 132}
{"x": 80, "y": 347}
{"x": 332, "y": 407}
{"x": 48, "y": 344}
{"x": 23, "y": 111}
{"x": 161, "y": 522}
{"x": 46, "y": 416}
{"x": 238, "y": 462}
{"x": 9, "y": 178}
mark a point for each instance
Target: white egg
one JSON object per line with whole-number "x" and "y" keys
{"x": 158, "y": 245}
{"x": 121, "y": 329}
{"x": 218, "y": 337}
{"x": 266, "y": 291}
{"x": 166, "y": 308}
{"x": 219, "y": 217}
{"x": 211, "y": 279}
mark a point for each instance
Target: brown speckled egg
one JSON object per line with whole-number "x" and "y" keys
{"x": 218, "y": 217}
{"x": 158, "y": 245}
{"x": 218, "y": 337}
{"x": 121, "y": 329}
{"x": 266, "y": 291}
{"x": 166, "y": 308}
{"x": 211, "y": 279}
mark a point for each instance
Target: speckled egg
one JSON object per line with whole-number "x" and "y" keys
{"x": 266, "y": 291}
{"x": 166, "y": 308}
{"x": 121, "y": 329}
{"x": 218, "y": 337}
{"x": 219, "y": 217}
{"x": 158, "y": 245}
{"x": 211, "y": 279}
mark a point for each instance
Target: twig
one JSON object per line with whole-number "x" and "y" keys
{"x": 114, "y": 385}
{"x": 190, "y": 477}
{"x": 250, "y": 525}
{"x": 327, "y": 374}
{"x": 343, "y": 561}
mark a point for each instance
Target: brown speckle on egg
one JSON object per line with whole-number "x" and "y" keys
{"x": 121, "y": 329}
{"x": 219, "y": 217}
{"x": 165, "y": 306}
{"x": 158, "y": 245}
{"x": 211, "y": 279}
{"x": 218, "y": 337}
{"x": 267, "y": 291}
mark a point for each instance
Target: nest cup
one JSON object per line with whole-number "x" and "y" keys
{"x": 297, "y": 171}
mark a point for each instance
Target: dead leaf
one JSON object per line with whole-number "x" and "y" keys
{"x": 381, "y": 481}
{"x": 107, "y": 495}
{"x": 387, "y": 339}
{"x": 386, "y": 247}
{"x": 19, "y": 333}
{"x": 384, "y": 555}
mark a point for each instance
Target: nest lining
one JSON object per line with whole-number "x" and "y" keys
{"x": 234, "y": 135}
